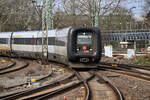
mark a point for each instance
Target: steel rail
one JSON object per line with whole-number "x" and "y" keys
{"x": 88, "y": 90}
{"x": 9, "y": 66}
{"x": 127, "y": 65}
{"x": 38, "y": 80}
{"x": 85, "y": 82}
{"x": 47, "y": 95}
{"x": 14, "y": 70}
{"x": 30, "y": 91}
{"x": 123, "y": 68}
{"x": 115, "y": 89}
{"x": 133, "y": 73}
{"x": 50, "y": 94}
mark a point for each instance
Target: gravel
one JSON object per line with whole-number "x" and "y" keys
{"x": 132, "y": 88}
{"x": 34, "y": 70}
{"x": 116, "y": 60}
{"x": 73, "y": 94}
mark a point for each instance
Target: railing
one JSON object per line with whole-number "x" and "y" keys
{"x": 126, "y": 35}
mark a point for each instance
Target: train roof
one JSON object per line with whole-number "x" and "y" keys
{"x": 5, "y": 34}
{"x": 36, "y": 33}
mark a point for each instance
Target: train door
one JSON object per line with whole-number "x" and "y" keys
{"x": 8, "y": 41}
{"x": 11, "y": 41}
{"x": 55, "y": 45}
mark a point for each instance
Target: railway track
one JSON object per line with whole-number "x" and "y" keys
{"x": 31, "y": 91}
{"x": 100, "y": 87}
{"x": 84, "y": 78}
{"x": 44, "y": 92}
{"x": 64, "y": 88}
{"x": 129, "y": 66}
{"x": 8, "y": 66}
{"x": 134, "y": 71}
{"x": 57, "y": 88}
{"x": 85, "y": 82}
{"x": 20, "y": 85}
{"x": 13, "y": 68}
{"x": 118, "y": 95}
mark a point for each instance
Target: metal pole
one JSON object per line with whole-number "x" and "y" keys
{"x": 73, "y": 13}
{"x": 47, "y": 23}
{"x": 73, "y": 8}
{"x": 44, "y": 34}
{"x": 97, "y": 19}
{"x": 94, "y": 14}
{"x": 135, "y": 46}
{"x": 49, "y": 16}
{"x": 130, "y": 25}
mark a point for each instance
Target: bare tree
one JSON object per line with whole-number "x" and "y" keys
{"x": 146, "y": 7}
{"x": 84, "y": 7}
{"x": 18, "y": 15}
{"x": 5, "y": 12}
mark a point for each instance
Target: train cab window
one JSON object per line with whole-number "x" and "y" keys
{"x": 84, "y": 39}
{"x": 84, "y": 42}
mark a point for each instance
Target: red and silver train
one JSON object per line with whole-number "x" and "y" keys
{"x": 72, "y": 44}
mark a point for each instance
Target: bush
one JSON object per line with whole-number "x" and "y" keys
{"x": 145, "y": 60}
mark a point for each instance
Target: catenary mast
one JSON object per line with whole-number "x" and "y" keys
{"x": 94, "y": 14}
{"x": 47, "y": 24}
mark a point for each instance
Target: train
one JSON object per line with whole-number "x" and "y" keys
{"x": 67, "y": 45}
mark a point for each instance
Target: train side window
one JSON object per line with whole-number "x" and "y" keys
{"x": 51, "y": 41}
{"x": 3, "y": 41}
{"x": 6, "y": 41}
{"x": 0, "y": 40}
{"x": 39, "y": 41}
{"x": 18, "y": 41}
{"x": 27, "y": 41}
{"x": 31, "y": 41}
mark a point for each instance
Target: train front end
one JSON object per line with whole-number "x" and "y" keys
{"x": 84, "y": 45}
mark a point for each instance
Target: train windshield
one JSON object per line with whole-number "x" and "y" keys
{"x": 84, "y": 38}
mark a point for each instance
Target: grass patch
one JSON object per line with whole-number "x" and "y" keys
{"x": 144, "y": 60}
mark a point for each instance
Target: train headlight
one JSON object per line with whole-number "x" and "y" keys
{"x": 91, "y": 49}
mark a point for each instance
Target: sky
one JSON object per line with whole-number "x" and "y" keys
{"x": 137, "y": 10}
